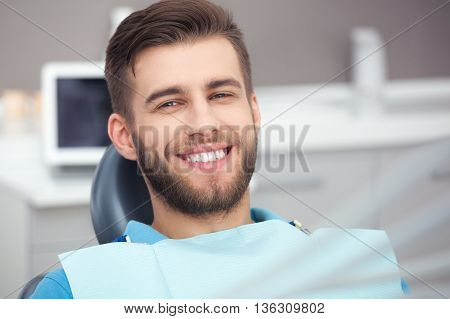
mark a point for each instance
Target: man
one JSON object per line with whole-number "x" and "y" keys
{"x": 179, "y": 77}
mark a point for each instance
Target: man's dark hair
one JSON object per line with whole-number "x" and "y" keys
{"x": 164, "y": 23}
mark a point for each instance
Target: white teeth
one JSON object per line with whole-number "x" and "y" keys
{"x": 204, "y": 157}
{"x": 207, "y": 156}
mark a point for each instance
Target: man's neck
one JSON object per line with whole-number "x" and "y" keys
{"x": 176, "y": 225}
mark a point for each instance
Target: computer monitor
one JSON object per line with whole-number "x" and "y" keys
{"x": 76, "y": 107}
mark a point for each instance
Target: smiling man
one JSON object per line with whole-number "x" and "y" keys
{"x": 192, "y": 129}
{"x": 179, "y": 77}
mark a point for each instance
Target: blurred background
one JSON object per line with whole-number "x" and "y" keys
{"x": 361, "y": 90}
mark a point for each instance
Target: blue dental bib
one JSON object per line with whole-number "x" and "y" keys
{"x": 270, "y": 259}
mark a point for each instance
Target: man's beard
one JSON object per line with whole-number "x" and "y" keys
{"x": 179, "y": 193}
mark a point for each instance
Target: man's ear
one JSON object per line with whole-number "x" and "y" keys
{"x": 120, "y": 136}
{"x": 255, "y": 110}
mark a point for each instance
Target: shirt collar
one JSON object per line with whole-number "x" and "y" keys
{"x": 142, "y": 233}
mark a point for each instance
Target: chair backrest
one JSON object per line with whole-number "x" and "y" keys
{"x": 118, "y": 195}
{"x": 30, "y": 287}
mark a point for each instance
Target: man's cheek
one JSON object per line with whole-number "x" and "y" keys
{"x": 149, "y": 136}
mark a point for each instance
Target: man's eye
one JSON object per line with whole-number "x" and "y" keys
{"x": 168, "y": 104}
{"x": 220, "y": 95}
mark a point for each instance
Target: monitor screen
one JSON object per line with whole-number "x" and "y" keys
{"x": 83, "y": 108}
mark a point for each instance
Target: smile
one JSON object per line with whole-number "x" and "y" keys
{"x": 206, "y": 155}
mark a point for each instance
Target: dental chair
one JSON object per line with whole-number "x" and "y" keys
{"x": 118, "y": 195}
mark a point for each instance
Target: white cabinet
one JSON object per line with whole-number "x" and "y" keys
{"x": 413, "y": 191}
{"x": 333, "y": 189}
{"x": 41, "y": 215}
{"x": 32, "y": 237}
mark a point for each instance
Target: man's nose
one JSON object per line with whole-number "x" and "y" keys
{"x": 202, "y": 117}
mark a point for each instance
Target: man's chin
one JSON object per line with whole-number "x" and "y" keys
{"x": 209, "y": 183}
{"x": 206, "y": 195}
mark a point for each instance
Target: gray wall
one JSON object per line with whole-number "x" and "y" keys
{"x": 290, "y": 41}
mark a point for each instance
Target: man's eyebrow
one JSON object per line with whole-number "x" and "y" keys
{"x": 164, "y": 92}
{"x": 223, "y": 82}
{"x": 179, "y": 90}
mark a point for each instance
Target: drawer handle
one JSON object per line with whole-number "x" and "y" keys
{"x": 440, "y": 175}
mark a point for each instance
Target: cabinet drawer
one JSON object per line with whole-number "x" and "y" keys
{"x": 61, "y": 224}
{"x": 414, "y": 200}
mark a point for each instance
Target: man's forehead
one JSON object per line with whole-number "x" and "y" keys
{"x": 187, "y": 64}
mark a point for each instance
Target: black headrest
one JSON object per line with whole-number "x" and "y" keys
{"x": 118, "y": 194}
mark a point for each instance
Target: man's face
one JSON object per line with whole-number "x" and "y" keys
{"x": 194, "y": 127}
